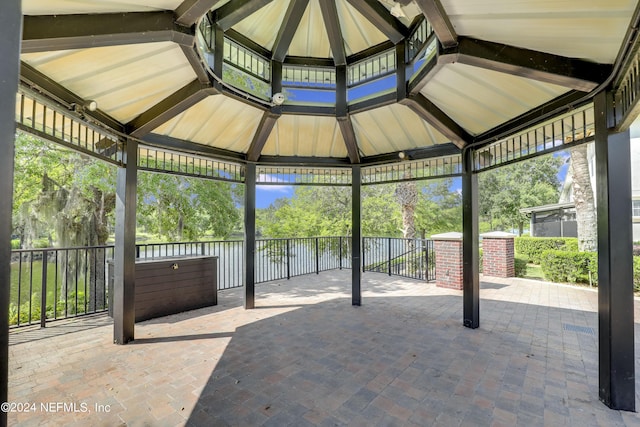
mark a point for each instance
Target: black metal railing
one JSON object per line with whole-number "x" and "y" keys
{"x": 58, "y": 283}
{"x": 229, "y": 252}
{"x": 413, "y": 258}
{"x": 286, "y": 258}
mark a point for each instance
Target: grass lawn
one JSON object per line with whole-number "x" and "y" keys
{"x": 534, "y": 271}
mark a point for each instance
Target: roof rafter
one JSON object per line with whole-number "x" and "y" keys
{"x": 236, "y": 10}
{"x": 332, "y": 24}
{"x": 38, "y": 81}
{"x": 168, "y": 108}
{"x": 343, "y": 117}
{"x": 545, "y": 67}
{"x": 438, "y": 150}
{"x": 380, "y": 17}
{"x": 424, "y": 75}
{"x": 288, "y": 28}
{"x": 440, "y": 22}
{"x": 171, "y": 143}
{"x": 190, "y": 11}
{"x": 196, "y": 63}
{"x": 45, "y": 33}
{"x": 268, "y": 121}
{"x": 433, "y": 115}
{"x": 350, "y": 140}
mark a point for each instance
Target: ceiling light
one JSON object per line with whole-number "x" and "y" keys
{"x": 86, "y": 106}
{"x": 278, "y": 98}
{"x": 397, "y": 11}
{"x": 91, "y": 105}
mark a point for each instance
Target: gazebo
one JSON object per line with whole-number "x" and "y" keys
{"x": 332, "y": 92}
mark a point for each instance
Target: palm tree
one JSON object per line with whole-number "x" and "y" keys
{"x": 583, "y": 199}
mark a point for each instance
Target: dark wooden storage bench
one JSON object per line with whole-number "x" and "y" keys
{"x": 172, "y": 285}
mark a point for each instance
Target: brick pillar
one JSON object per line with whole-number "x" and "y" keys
{"x": 498, "y": 254}
{"x": 448, "y": 248}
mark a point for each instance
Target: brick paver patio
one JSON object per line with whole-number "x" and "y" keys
{"x": 305, "y": 356}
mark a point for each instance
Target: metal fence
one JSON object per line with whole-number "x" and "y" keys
{"x": 229, "y": 252}
{"x": 51, "y": 284}
{"x": 59, "y": 283}
{"x": 413, "y": 258}
{"x": 286, "y": 258}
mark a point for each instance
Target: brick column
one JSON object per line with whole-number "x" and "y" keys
{"x": 498, "y": 254}
{"x": 448, "y": 248}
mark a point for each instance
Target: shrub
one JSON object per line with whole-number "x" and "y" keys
{"x": 636, "y": 273}
{"x": 40, "y": 243}
{"x": 22, "y": 312}
{"x": 520, "y": 266}
{"x": 533, "y": 247}
{"x": 574, "y": 267}
{"x": 564, "y": 266}
{"x": 15, "y": 244}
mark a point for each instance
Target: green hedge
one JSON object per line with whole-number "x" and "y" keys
{"x": 636, "y": 273}
{"x": 565, "y": 266}
{"x": 521, "y": 266}
{"x": 574, "y": 267}
{"x": 532, "y": 248}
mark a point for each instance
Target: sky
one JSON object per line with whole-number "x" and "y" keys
{"x": 267, "y": 194}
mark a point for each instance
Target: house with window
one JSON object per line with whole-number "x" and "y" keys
{"x": 559, "y": 220}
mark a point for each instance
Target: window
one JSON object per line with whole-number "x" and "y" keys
{"x": 636, "y": 208}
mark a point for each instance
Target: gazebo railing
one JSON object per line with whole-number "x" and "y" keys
{"x": 59, "y": 283}
{"x": 413, "y": 258}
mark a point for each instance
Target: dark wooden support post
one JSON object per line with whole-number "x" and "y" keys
{"x": 218, "y": 54}
{"x": 401, "y": 72}
{"x": 470, "y": 254}
{"x": 250, "y": 235}
{"x": 10, "y": 22}
{"x": 356, "y": 235}
{"x": 615, "y": 261}
{"x": 124, "y": 282}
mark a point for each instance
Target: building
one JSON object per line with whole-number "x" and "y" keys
{"x": 559, "y": 220}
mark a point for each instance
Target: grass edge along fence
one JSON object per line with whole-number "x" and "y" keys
{"x": 75, "y": 279}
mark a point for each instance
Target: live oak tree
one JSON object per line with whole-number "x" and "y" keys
{"x": 178, "y": 208}
{"x": 70, "y": 199}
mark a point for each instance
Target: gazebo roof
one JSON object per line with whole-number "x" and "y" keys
{"x": 361, "y": 85}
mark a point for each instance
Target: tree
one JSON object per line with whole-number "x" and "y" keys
{"x": 69, "y": 198}
{"x": 439, "y": 209}
{"x": 583, "y": 199}
{"x": 407, "y": 195}
{"x": 326, "y": 211}
{"x": 179, "y": 208}
{"x": 506, "y": 190}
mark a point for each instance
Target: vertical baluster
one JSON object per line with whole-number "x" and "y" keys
{"x": 43, "y": 290}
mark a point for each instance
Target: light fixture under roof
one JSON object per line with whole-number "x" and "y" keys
{"x": 278, "y": 98}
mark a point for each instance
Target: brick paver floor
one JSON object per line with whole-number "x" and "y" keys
{"x": 305, "y": 356}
